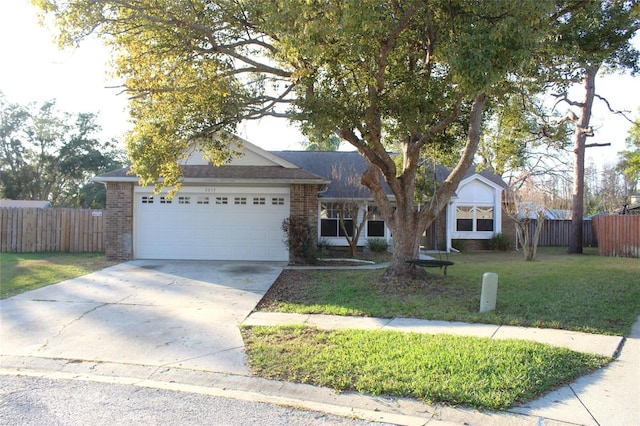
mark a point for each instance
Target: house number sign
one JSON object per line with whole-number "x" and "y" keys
{"x": 210, "y": 189}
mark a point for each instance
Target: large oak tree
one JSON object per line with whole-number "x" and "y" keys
{"x": 414, "y": 76}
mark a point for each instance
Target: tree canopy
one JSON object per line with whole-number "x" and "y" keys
{"x": 46, "y": 154}
{"x": 412, "y": 75}
{"x": 629, "y": 163}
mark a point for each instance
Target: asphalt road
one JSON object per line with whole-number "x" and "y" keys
{"x": 43, "y": 401}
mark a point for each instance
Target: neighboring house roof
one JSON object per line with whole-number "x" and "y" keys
{"x": 633, "y": 209}
{"x": 25, "y": 203}
{"x": 530, "y": 209}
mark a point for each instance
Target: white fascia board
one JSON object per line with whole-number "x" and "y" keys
{"x": 477, "y": 176}
{"x": 201, "y": 181}
{"x": 257, "y": 181}
{"x": 115, "y": 179}
{"x": 369, "y": 201}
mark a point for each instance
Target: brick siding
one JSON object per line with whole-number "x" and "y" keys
{"x": 119, "y": 221}
{"x": 304, "y": 203}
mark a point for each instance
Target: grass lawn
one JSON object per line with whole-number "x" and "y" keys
{"x": 483, "y": 373}
{"x": 20, "y": 272}
{"x": 585, "y": 293}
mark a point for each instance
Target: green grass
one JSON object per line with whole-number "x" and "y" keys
{"x": 20, "y": 272}
{"x": 483, "y": 373}
{"x": 587, "y": 293}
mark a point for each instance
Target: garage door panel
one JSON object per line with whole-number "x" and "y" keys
{"x": 210, "y": 231}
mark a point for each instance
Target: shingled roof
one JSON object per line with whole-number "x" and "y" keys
{"x": 323, "y": 163}
{"x": 347, "y": 165}
{"x": 341, "y": 168}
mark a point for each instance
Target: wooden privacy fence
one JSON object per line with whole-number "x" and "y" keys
{"x": 558, "y": 232}
{"x": 618, "y": 235}
{"x": 26, "y": 230}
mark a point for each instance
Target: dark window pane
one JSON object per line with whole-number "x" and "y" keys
{"x": 464, "y": 225}
{"x": 375, "y": 228}
{"x": 329, "y": 227}
{"x": 485, "y": 224}
{"x": 348, "y": 224}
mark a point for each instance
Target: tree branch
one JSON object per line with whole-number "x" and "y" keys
{"x": 622, "y": 113}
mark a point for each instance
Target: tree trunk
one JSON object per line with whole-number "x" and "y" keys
{"x": 536, "y": 236}
{"x": 523, "y": 228}
{"x": 406, "y": 245}
{"x": 580, "y": 136}
{"x": 407, "y": 224}
{"x": 405, "y": 221}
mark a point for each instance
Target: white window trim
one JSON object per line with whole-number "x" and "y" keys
{"x": 341, "y": 240}
{"x": 479, "y": 235}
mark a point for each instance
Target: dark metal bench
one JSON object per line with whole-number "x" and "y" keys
{"x": 431, "y": 263}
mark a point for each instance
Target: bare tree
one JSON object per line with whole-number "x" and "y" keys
{"x": 351, "y": 193}
{"x": 522, "y": 213}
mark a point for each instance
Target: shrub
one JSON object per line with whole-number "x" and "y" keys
{"x": 300, "y": 239}
{"x": 323, "y": 246}
{"x": 377, "y": 245}
{"x": 500, "y": 242}
{"x": 460, "y": 245}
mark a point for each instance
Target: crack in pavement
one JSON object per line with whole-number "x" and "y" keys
{"x": 82, "y": 315}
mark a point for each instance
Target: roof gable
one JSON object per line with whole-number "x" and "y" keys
{"x": 477, "y": 177}
{"x": 251, "y": 155}
{"x": 254, "y": 166}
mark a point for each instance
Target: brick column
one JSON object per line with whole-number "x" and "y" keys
{"x": 304, "y": 203}
{"x": 119, "y": 221}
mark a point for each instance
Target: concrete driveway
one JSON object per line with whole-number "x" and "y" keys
{"x": 181, "y": 314}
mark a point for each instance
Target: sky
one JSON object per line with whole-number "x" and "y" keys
{"x": 33, "y": 69}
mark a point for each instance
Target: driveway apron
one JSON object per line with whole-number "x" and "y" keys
{"x": 182, "y": 314}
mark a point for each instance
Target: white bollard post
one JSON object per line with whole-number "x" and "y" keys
{"x": 489, "y": 292}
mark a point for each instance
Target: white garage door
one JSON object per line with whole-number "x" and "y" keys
{"x": 211, "y": 224}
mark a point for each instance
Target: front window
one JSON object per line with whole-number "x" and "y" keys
{"x": 375, "y": 222}
{"x": 330, "y": 221}
{"x": 474, "y": 218}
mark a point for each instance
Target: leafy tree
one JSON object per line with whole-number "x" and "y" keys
{"x": 593, "y": 37}
{"x": 401, "y": 74}
{"x": 522, "y": 141}
{"x": 322, "y": 143}
{"x": 526, "y": 147}
{"x": 606, "y": 189}
{"x": 46, "y": 155}
{"x": 629, "y": 159}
